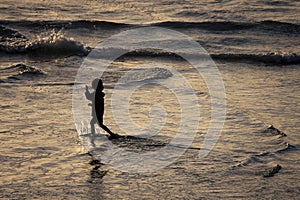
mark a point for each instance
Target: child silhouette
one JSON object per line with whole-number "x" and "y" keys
{"x": 97, "y": 99}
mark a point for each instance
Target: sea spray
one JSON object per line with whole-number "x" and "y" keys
{"x": 56, "y": 43}
{"x": 49, "y": 43}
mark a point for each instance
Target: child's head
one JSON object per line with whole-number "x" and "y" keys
{"x": 97, "y": 83}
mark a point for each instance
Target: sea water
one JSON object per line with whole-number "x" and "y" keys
{"x": 255, "y": 45}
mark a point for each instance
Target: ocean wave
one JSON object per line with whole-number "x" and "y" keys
{"x": 286, "y": 147}
{"x": 56, "y": 43}
{"x": 267, "y": 159}
{"x": 271, "y": 130}
{"x": 65, "y": 24}
{"x": 9, "y": 33}
{"x": 248, "y": 161}
{"x": 268, "y": 170}
{"x": 272, "y": 171}
{"x": 262, "y": 167}
{"x": 267, "y": 25}
{"x": 61, "y": 46}
{"x": 269, "y": 58}
{"x": 216, "y": 26}
{"x": 50, "y": 43}
{"x": 274, "y": 58}
{"x": 145, "y": 74}
{"x": 22, "y": 71}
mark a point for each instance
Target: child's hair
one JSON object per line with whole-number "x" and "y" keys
{"x": 96, "y": 82}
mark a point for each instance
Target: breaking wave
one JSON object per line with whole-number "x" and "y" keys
{"x": 50, "y": 43}
{"x": 56, "y": 43}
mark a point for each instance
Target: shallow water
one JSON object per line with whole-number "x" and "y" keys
{"x": 42, "y": 155}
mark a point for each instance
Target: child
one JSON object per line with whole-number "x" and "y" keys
{"x": 97, "y": 104}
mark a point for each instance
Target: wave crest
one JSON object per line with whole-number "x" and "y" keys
{"x": 50, "y": 43}
{"x": 269, "y": 58}
{"x": 275, "y": 58}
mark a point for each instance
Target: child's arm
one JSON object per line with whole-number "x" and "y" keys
{"x": 88, "y": 95}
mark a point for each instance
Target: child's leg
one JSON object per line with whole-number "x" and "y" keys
{"x": 100, "y": 122}
{"x": 107, "y": 129}
{"x": 93, "y": 132}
